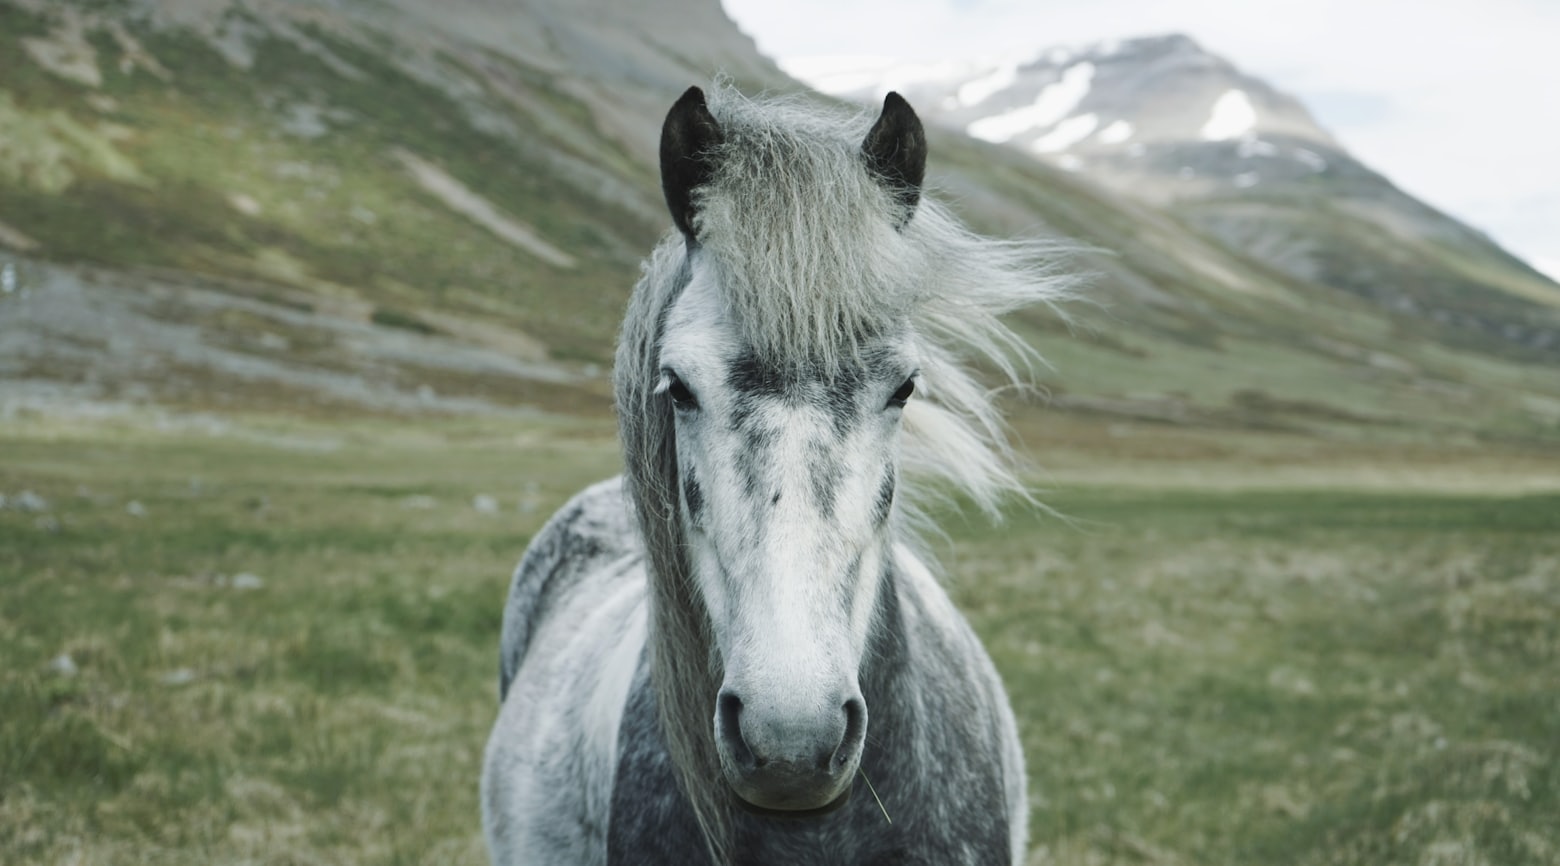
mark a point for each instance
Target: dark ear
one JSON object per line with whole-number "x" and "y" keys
{"x": 688, "y": 139}
{"x": 895, "y": 151}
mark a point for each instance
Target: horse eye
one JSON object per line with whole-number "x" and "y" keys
{"x": 682, "y": 398}
{"x": 902, "y": 396}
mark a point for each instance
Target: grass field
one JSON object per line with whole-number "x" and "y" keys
{"x": 272, "y": 641}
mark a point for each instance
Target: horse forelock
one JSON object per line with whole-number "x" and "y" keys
{"x": 797, "y": 234}
{"x": 812, "y": 257}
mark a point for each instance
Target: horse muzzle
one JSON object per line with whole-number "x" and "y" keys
{"x": 789, "y": 764}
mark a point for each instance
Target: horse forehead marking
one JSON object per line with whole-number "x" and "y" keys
{"x": 751, "y": 376}
{"x": 760, "y": 426}
{"x": 835, "y": 390}
{"x": 749, "y": 373}
{"x": 827, "y": 474}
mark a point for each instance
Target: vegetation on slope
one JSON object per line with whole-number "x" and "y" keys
{"x": 287, "y": 172}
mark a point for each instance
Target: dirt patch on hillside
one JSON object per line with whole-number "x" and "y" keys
{"x": 72, "y": 334}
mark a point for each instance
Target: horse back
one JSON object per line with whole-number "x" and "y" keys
{"x": 593, "y": 528}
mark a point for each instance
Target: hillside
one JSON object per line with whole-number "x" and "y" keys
{"x": 415, "y": 206}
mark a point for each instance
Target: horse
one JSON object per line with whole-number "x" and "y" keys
{"x": 737, "y": 651}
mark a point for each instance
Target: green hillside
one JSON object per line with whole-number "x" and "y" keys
{"x": 388, "y": 172}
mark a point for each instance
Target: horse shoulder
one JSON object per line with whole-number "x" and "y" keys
{"x": 935, "y": 620}
{"x": 574, "y": 630}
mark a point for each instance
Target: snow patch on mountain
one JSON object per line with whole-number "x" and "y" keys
{"x": 982, "y": 88}
{"x": 1066, "y": 134}
{"x": 1053, "y": 103}
{"x": 1116, "y": 133}
{"x": 1232, "y": 117}
{"x": 866, "y": 73}
{"x": 1251, "y": 146}
{"x": 1311, "y": 158}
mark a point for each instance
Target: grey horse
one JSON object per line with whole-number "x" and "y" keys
{"x": 735, "y": 653}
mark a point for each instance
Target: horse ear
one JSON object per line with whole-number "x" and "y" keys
{"x": 688, "y": 139}
{"x": 895, "y": 151}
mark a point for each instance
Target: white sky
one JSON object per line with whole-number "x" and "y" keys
{"x": 1457, "y": 101}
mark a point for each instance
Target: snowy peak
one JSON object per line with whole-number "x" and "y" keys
{"x": 1102, "y": 102}
{"x": 1164, "y": 121}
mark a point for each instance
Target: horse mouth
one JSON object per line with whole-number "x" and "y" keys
{"x": 795, "y": 814}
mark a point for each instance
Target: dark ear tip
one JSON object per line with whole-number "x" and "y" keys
{"x": 898, "y": 108}
{"x": 692, "y": 96}
{"x": 895, "y": 151}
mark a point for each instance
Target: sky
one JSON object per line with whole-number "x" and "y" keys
{"x": 1456, "y": 101}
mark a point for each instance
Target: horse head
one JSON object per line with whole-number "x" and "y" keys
{"x": 786, "y": 383}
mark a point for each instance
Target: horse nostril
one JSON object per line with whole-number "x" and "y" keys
{"x": 855, "y": 732}
{"x": 728, "y": 710}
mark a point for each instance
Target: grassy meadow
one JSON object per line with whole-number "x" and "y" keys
{"x": 272, "y": 641}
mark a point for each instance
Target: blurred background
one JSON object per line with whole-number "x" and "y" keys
{"x": 306, "y": 321}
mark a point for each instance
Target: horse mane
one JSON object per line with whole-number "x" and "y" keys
{"x": 806, "y": 251}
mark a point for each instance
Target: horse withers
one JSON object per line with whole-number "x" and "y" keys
{"x": 734, "y": 654}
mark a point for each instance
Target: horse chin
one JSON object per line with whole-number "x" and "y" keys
{"x": 795, "y": 814}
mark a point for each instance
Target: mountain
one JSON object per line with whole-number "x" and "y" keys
{"x": 410, "y": 205}
{"x": 1163, "y": 120}
{"x": 1117, "y": 98}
